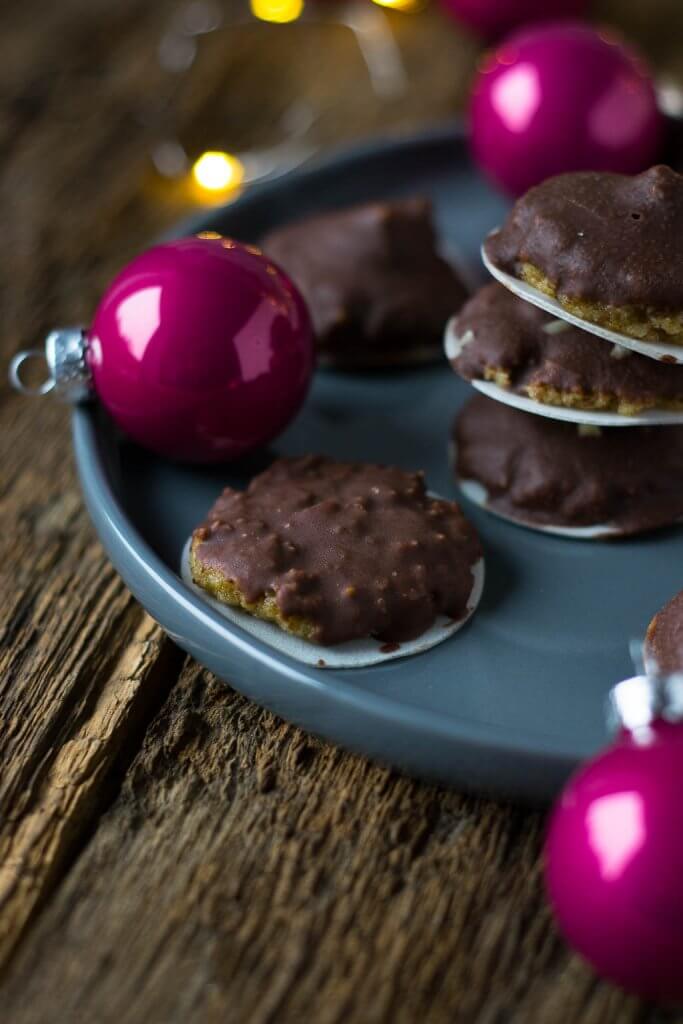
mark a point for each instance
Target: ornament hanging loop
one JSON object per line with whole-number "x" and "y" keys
{"x": 65, "y": 357}
{"x": 20, "y": 385}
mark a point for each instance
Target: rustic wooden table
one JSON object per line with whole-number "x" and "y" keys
{"x": 168, "y": 851}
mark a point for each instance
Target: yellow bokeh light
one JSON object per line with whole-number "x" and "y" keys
{"x": 218, "y": 172}
{"x": 405, "y": 6}
{"x": 279, "y": 11}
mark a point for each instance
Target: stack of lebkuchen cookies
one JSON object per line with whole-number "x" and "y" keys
{"x": 553, "y": 451}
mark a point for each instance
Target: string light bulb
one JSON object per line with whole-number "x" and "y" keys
{"x": 215, "y": 171}
{"x": 278, "y": 11}
{"x": 405, "y": 6}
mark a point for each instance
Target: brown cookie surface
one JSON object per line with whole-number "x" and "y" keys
{"x": 609, "y": 247}
{"x": 378, "y": 291}
{"x": 337, "y": 551}
{"x": 560, "y": 474}
{"x": 664, "y": 642}
{"x": 520, "y": 347}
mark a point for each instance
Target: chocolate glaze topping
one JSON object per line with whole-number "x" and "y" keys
{"x": 552, "y": 473}
{"x": 665, "y": 636}
{"x": 357, "y": 550}
{"x": 372, "y": 278}
{"x": 511, "y": 335}
{"x": 606, "y": 238}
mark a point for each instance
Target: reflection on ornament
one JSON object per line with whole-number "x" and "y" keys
{"x": 616, "y": 831}
{"x": 517, "y": 96}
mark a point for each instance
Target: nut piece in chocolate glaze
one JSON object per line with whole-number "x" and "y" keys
{"x": 377, "y": 289}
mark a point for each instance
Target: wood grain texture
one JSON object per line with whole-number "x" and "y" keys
{"x": 169, "y": 852}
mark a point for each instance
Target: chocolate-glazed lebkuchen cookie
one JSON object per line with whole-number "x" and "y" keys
{"x": 608, "y": 247}
{"x": 500, "y": 338}
{"x": 549, "y": 473}
{"x": 377, "y": 289}
{"x": 335, "y": 551}
{"x": 664, "y": 641}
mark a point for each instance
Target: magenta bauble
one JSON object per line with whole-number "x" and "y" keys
{"x": 201, "y": 349}
{"x": 493, "y": 18}
{"x": 562, "y": 97}
{"x": 614, "y": 862}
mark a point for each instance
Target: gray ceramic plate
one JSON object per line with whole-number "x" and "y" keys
{"x": 511, "y": 703}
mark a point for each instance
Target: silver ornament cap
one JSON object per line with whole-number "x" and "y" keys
{"x": 68, "y": 374}
{"x": 638, "y": 702}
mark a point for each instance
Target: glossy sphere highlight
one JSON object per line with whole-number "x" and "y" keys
{"x": 493, "y": 18}
{"x": 614, "y": 863}
{"x": 201, "y": 349}
{"x": 562, "y": 97}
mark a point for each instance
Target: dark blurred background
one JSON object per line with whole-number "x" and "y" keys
{"x": 105, "y": 107}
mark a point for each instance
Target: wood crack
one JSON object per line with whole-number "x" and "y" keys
{"x": 78, "y": 779}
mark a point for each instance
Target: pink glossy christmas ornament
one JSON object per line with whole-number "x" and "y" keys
{"x": 614, "y": 850}
{"x": 200, "y": 350}
{"x": 562, "y": 97}
{"x": 494, "y": 18}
